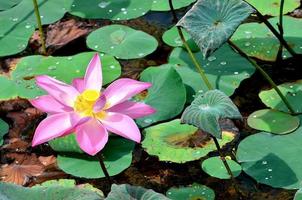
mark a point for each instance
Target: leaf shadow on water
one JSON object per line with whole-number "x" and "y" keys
{"x": 271, "y": 170}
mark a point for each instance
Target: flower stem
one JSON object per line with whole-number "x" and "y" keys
{"x": 281, "y": 31}
{"x": 102, "y": 164}
{"x": 265, "y": 75}
{"x": 193, "y": 58}
{"x": 273, "y": 30}
{"x": 226, "y": 165}
{"x": 39, "y": 23}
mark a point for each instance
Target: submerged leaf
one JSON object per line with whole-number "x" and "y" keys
{"x": 206, "y": 110}
{"x": 212, "y": 22}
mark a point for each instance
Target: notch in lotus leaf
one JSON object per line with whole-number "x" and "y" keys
{"x": 206, "y": 110}
{"x": 212, "y": 22}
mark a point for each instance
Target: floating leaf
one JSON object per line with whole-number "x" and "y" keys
{"x": 126, "y": 191}
{"x": 110, "y": 9}
{"x": 273, "y": 160}
{"x": 215, "y": 167}
{"x": 117, "y": 157}
{"x": 206, "y": 110}
{"x": 167, "y": 94}
{"x": 163, "y": 5}
{"x": 68, "y": 144}
{"x": 193, "y": 192}
{"x": 273, "y": 121}
{"x": 22, "y": 83}
{"x": 122, "y": 42}
{"x": 272, "y": 7}
{"x": 212, "y": 23}
{"x": 180, "y": 143}
{"x": 256, "y": 39}
{"x": 3, "y": 130}
{"x": 14, "y": 192}
{"x": 225, "y": 69}
{"x": 292, "y": 92}
{"x": 298, "y": 195}
{"x": 4, "y": 5}
{"x": 18, "y": 23}
{"x": 172, "y": 38}
{"x": 70, "y": 183}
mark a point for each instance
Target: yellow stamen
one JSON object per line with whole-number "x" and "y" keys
{"x": 85, "y": 102}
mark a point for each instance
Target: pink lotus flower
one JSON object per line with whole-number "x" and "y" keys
{"x": 82, "y": 108}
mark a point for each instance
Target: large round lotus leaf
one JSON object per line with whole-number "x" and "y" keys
{"x": 4, "y": 5}
{"x": 18, "y": 23}
{"x": 193, "y": 192}
{"x": 225, "y": 69}
{"x": 298, "y": 195}
{"x": 22, "y": 83}
{"x": 256, "y": 39}
{"x": 126, "y": 191}
{"x": 3, "y": 130}
{"x": 207, "y": 109}
{"x": 122, "y": 42}
{"x": 163, "y": 5}
{"x": 211, "y": 24}
{"x": 293, "y": 93}
{"x": 117, "y": 157}
{"x": 167, "y": 94}
{"x": 110, "y": 9}
{"x": 15, "y": 192}
{"x": 273, "y": 160}
{"x": 172, "y": 38}
{"x": 180, "y": 143}
{"x": 272, "y": 7}
{"x": 215, "y": 167}
{"x": 273, "y": 121}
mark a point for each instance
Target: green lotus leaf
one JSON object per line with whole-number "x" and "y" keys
{"x": 3, "y": 130}
{"x": 167, "y": 94}
{"x": 66, "y": 144}
{"x": 15, "y": 192}
{"x": 4, "y": 5}
{"x": 172, "y": 38}
{"x": 21, "y": 83}
{"x": 110, "y": 9}
{"x": 207, "y": 109}
{"x": 211, "y": 24}
{"x": 126, "y": 191}
{"x": 193, "y": 192}
{"x": 18, "y": 23}
{"x": 163, "y": 5}
{"x": 293, "y": 93}
{"x": 272, "y": 7}
{"x": 256, "y": 40}
{"x": 122, "y": 42}
{"x": 225, "y": 69}
{"x": 215, "y": 168}
{"x": 70, "y": 183}
{"x": 180, "y": 143}
{"x": 117, "y": 157}
{"x": 273, "y": 160}
{"x": 298, "y": 195}
{"x": 273, "y": 121}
